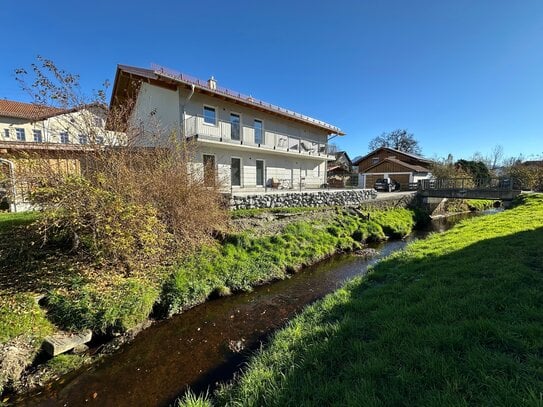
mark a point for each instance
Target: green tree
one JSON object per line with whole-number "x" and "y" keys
{"x": 476, "y": 169}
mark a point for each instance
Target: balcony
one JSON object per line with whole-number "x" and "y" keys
{"x": 236, "y": 134}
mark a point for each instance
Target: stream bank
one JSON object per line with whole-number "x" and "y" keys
{"x": 207, "y": 343}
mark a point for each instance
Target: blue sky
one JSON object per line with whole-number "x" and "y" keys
{"x": 461, "y": 75}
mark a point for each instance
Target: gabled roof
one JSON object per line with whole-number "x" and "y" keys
{"x": 417, "y": 157}
{"x": 170, "y": 77}
{"x": 340, "y": 153}
{"x": 415, "y": 168}
{"x": 29, "y": 111}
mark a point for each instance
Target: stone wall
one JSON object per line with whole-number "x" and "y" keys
{"x": 307, "y": 199}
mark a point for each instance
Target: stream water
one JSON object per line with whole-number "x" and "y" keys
{"x": 208, "y": 343}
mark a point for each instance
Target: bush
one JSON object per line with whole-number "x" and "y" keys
{"x": 100, "y": 221}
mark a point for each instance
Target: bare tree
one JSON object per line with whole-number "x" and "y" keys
{"x": 398, "y": 139}
{"x": 495, "y": 157}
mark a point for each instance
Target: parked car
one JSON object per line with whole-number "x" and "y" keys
{"x": 386, "y": 184}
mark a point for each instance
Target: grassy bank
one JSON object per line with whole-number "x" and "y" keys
{"x": 237, "y": 263}
{"x": 456, "y": 319}
{"x": 79, "y": 296}
{"x": 468, "y": 205}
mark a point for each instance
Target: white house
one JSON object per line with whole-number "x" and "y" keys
{"x": 250, "y": 144}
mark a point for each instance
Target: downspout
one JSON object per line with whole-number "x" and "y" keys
{"x": 12, "y": 178}
{"x": 182, "y": 105}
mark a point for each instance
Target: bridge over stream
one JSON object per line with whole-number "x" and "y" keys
{"x": 467, "y": 188}
{"x": 435, "y": 191}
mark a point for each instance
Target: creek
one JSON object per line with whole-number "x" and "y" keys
{"x": 210, "y": 342}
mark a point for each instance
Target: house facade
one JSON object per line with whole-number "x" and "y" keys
{"x": 29, "y": 132}
{"x": 341, "y": 172}
{"x": 242, "y": 142}
{"x": 385, "y": 162}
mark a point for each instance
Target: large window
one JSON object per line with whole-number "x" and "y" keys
{"x": 6, "y": 133}
{"x": 20, "y": 134}
{"x": 209, "y": 170}
{"x": 260, "y": 173}
{"x": 83, "y": 139}
{"x": 259, "y": 134}
{"x": 210, "y": 115}
{"x": 64, "y": 138}
{"x": 235, "y": 172}
{"x": 235, "y": 126}
{"x": 37, "y": 136}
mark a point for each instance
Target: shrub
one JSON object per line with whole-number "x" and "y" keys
{"x": 101, "y": 221}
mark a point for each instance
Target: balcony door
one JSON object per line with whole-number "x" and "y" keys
{"x": 235, "y": 127}
{"x": 235, "y": 172}
{"x": 259, "y": 132}
{"x": 259, "y": 173}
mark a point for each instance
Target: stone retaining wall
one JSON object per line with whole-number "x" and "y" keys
{"x": 306, "y": 199}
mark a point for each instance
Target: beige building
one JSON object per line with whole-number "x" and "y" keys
{"x": 248, "y": 144}
{"x": 29, "y": 132}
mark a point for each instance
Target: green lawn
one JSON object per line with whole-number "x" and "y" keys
{"x": 456, "y": 319}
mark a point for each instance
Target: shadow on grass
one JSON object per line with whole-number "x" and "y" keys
{"x": 464, "y": 328}
{"x": 22, "y": 267}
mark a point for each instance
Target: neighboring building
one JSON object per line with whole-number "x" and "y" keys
{"x": 534, "y": 163}
{"x": 248, "y": 144}
{"x": 341, "y": 172}
{"x": 24, "y": 123}
{"x": 29, "y": 132}
{"x": 385, "y": 162}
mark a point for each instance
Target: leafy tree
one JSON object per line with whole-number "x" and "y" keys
{"x": 476, "y": 169}
{"x": 398, "y": 139}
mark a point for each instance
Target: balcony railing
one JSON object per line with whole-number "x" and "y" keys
{"x": 249, "y": 136}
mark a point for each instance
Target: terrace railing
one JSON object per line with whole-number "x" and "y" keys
{"x": 227, "y": 132}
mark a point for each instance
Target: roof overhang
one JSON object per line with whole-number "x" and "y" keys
{"x": 128, "y": 80}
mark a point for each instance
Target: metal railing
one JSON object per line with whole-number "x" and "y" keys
{"x": 467, "y": 183}
{"x": 224, "y": 131}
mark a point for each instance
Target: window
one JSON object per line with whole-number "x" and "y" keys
{"x": 83, "y": 139}
{"x": 209, "y": 170}
{"x": 37, "y": 136}
{"x": 375, "y": 160}
{"x": 6, "y": 133}
{"x": 20, "y": 133}
{"x": 235, "y": 127}
{"x": 235, "y": 172}
{"x": 210, "y": 116}
{"x": 100, "y": 139}
{"x": 260, "y": 173}
{"x": 64, "y": 138}
{"x": 259, "y": 135}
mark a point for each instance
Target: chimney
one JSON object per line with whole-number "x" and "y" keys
{"x": 212, "y": 83}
